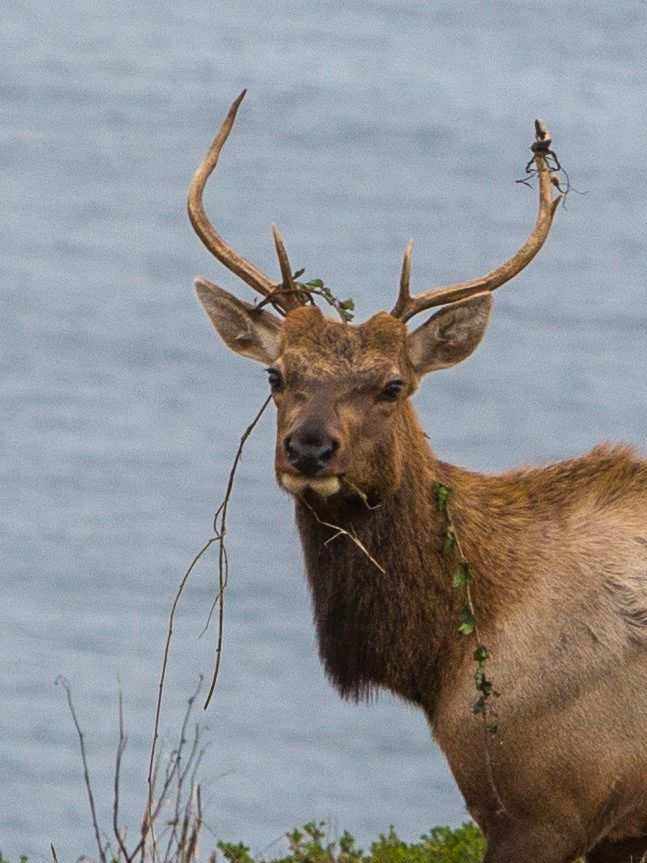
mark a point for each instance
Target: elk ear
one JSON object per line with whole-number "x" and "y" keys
{"x": 252, "y": 332}
{"x": 449, "y": 336}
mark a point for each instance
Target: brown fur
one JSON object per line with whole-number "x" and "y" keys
{"x": 559, "y": 556}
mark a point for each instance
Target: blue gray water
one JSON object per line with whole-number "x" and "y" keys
{"x": 366, "y": 123}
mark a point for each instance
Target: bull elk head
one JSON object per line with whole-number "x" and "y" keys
{"x": 338, "y": 387}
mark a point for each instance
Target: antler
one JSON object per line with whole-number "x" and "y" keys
{"x": 283, "y": 295}
{"x": 407, "y": 305}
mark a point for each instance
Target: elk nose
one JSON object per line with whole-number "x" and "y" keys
{"x": 310, "y": 450}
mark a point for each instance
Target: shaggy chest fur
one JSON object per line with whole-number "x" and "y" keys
{"x": 378, "y": 629}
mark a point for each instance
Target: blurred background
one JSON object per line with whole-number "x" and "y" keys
{"x": 366, "y": 123}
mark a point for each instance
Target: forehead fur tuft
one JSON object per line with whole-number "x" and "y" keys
{"x": 324, "y": 345}
{"x": 385, "y": 332}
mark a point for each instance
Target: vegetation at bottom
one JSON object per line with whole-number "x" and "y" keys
{"x": 173, "y": 829}
{"x": 312, "y": 844}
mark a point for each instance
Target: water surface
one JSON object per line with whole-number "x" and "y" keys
{"x": 366, "y": 123}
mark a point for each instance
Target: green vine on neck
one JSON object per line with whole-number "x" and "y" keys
{"x": 462, "y": 577}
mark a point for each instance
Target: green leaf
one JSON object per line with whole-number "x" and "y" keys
{"x": 235, "y": 853}
{"x": 481, "y": 653}
{"x": 442, "y": 495}
{"x": 462, "y": 575}
{"x": 315, "y": 283}
{"x": 347, "y": 304}
{"x": 483, "y": 685}
{"x": 449, "y": 542}
{"x": 467, "y": 624}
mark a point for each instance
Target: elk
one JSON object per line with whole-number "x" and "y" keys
{"x": 558, "y": 554}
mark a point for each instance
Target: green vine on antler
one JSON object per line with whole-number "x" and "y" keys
{"x": 306, "y": 291}
{"x": 316, "y": 287}
{"x": 462, "y": 577}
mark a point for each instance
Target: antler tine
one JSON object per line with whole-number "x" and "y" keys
{"x": 407, "y": 306}
{"x": 404, "y": 296}
{"x": 220, "y": 249}
{"x": 288, "y": 284}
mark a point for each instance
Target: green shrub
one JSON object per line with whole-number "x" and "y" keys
{"x": 309, "y": 844}
{"x": 442, "y": 845}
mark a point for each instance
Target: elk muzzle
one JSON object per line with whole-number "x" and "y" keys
{"x": 310, "y": 450}
{"x": 307, "y": 460}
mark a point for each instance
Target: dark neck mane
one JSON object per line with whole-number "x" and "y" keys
{"x": 380, "y": 629}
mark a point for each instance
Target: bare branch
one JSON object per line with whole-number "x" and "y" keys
{"x": 147, "y": 821}
{"x": 86, "y": 773}
{"x": 121, "y": 747}
{"x": 177, "y": 769}
{"x": 220, "y": 528}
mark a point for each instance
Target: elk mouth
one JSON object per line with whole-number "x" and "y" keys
{"x": 325, "y": 486}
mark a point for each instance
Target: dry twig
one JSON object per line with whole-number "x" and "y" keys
{"x": 148, "y": 818}
{"x": 172, "y": 771}
{"x": 360, "y": 494}
{"x": 341, "y": 531}
{"x": 121, "y": 747}
{"x": 220, "y": 530}
{"x": 188, "y": 822}
{"x": 60, "y": 680}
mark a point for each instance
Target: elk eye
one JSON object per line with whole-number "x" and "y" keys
{"x": 275, "y": 379}
{"x": 392, "y": 390}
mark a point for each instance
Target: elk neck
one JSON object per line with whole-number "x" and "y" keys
{"x": 385, "y": 629}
